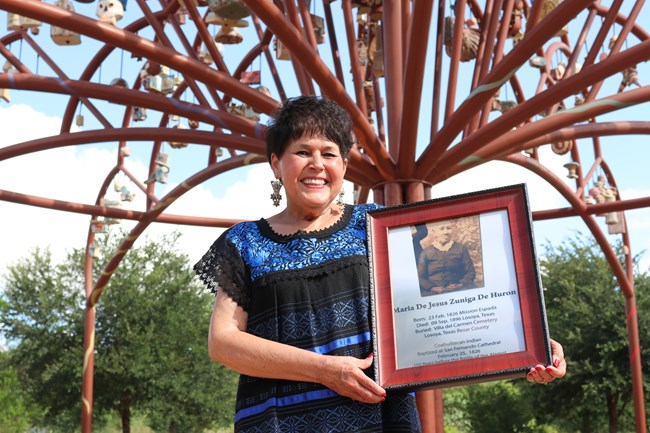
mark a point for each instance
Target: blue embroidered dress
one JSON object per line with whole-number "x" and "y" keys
{"x": 309, "y": 290}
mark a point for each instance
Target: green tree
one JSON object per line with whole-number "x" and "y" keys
{"x": 152, "y": 336}
{"x": 43, "y": 314}
{"x": 586, "y": 312}
{"x": 500, "y": 406}
{"x": 150, "y": 342}
{"x": 17, "y": 412}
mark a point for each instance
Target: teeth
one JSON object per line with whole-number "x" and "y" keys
{"x": 313, "y": 182}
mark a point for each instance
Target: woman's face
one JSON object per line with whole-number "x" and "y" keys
{"x": 312, "y": 170}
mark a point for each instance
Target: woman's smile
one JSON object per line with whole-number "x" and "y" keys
{"x": 312, "y": 181}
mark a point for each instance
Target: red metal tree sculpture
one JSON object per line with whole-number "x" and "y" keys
{"x": 394, "y": 65}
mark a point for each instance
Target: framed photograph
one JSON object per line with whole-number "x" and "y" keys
{"x": 456, "y": 294}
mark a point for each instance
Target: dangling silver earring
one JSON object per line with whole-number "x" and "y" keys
{"x": 339, "y": 200}
{"x": 276, "y": 196}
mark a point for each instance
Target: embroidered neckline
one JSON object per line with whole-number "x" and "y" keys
{"x": 267, "y": 231}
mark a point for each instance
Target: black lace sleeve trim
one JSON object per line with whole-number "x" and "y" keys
{"x": 222, "y": 268}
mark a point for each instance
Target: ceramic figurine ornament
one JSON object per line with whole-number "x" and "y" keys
{"x": 18, "y": 22}
{"x": 228, "y": 33}
{"x": 562, "y": 147}
{"x": 558, "y": 72}
{"x": 515, "y": 20}
{"x": 7, "y": 69}
{"x": 538, "y": 62}
{"x": 470, "y": 37}
{"x": 211, "y": 18}
{"x": 181, "y": 15}
{"x": 281, "y": 51}
{"x": 178, "y": 144}
{"x": 547, "y": 8}
{"x": 507, "y": 105}
{"x": 250, "y": 77}
{"x": 616, "y": 225}
{"x": 14, "y": 22}
{"x": 94, "y": 251}
{"x": 572, "y": 167}
{"x": 204, "y": 56}
{"x": 110, "y": 203}
{"x": 229, "y": 9}
{"x": 4, "y": 95}
{"x": 362, "y": 17}
{"x": 125, "y": 194}
{"x": 160, "y": 174}
{"x": 62, "y": 36}
{"x": 245, "y": 111}
{"x": 610, "y": 194}
{"x": 362, "y": 52}
{"x": 98, "y": 226}
{"x": 119, "y": 82}
{"x": 139, "y": 114}
{"x": 265, "y": 90}
{"x": 110, "y": 11}
{"x": 153, "y": 83}
{"x": 318, "y": 24}
{"x": 630, "y": 76}
{"x": 168, "y": 85}
{"x": 376, "y": 51}
{"x": 496, "y": 104}
{"x": 151, "y": 68}
{"x": 200, "y": 3}
{"x": 611, "y": 218}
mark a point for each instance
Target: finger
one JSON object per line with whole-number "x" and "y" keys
{"x": 367, "y": 396}
{"x": 366, "y": 363}
{"x": 558, "y": 369}
{"x": 539, "y": 375}
{"x": 556, "y": 373}
{"x": 558, "y": 352}
{"x": 363, "y": 389}
{"x": 371, "y": 386}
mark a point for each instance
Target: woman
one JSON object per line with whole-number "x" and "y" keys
{"x": 291, "y": 313}
{"x": 444, "y": 265}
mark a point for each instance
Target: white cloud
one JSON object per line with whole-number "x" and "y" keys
{"x": 68, "y": 173}
{"x": 498, "y": 173}
{"x": 247, "y": 199}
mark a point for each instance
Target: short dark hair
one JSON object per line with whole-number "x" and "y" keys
{"x": 308, "y": 115}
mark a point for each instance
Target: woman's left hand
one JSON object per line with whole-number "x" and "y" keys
{"x": 545, "y": 374}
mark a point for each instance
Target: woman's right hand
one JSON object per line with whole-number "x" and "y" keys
{"x": 345, "y": 376}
